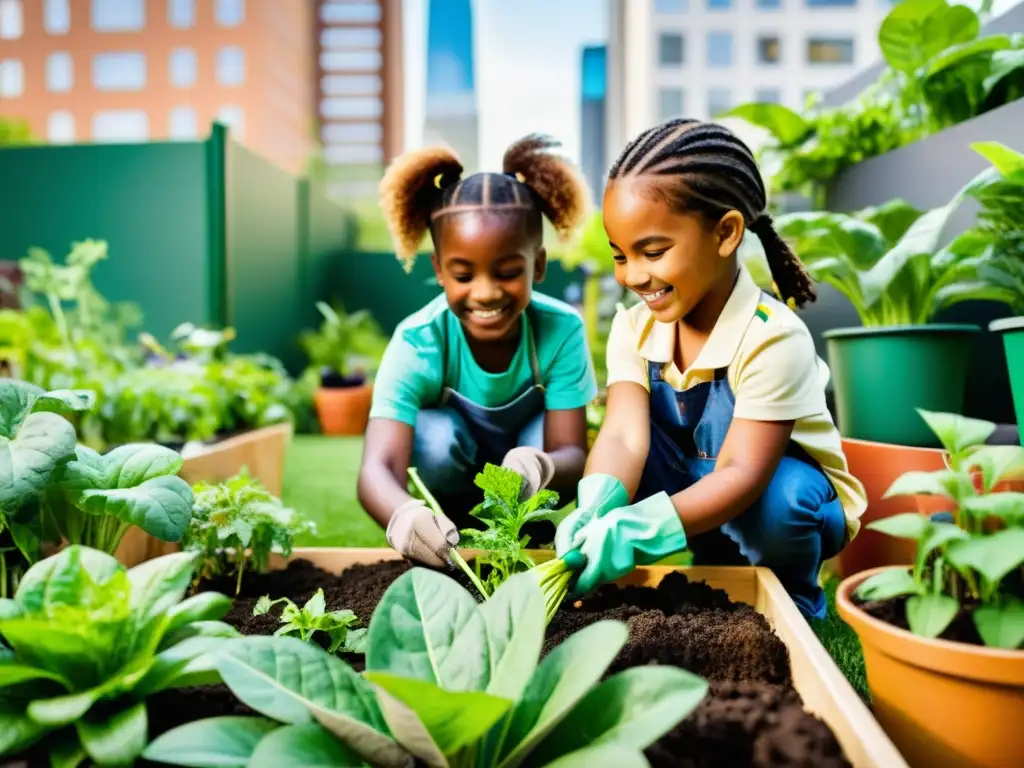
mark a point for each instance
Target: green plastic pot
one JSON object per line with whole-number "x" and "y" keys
{"x": 1012, "y": 329}
{"x": 882, "y": 375}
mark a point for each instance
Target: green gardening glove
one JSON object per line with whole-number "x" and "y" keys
{"x": 595, "y": 495}
{"x": 617, "y": 542}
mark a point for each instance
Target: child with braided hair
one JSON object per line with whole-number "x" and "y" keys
{"x": 741, "y": 463}
{"x": 489, "y": 371}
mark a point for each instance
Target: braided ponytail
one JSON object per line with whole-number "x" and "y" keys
{"x": 792, "y": 282}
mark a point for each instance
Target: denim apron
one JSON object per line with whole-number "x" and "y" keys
{"x": 796, "y": 524}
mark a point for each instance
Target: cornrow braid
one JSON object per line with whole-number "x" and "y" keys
{"x": 422, "y": 188}
{"x": 706, "y": 168}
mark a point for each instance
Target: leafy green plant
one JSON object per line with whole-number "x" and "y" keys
{"x": 237, "y": 525}
{"x": 340, "y": 627}
{"x": 888, "y": 263}
{"x": 89, "y": 642}
{"x": 55, "y": 490}
{"x": 448, "y": 683}
{"x": 973, "y": 565}
{"x": 347, "y": 345}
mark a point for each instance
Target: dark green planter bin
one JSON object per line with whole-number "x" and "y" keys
{"x": 882, "y": 375}
{"x": 1012, "y": 329}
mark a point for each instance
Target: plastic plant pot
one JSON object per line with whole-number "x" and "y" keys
{"x": 882, "y": 375}
{"x": 1012, "y": 330}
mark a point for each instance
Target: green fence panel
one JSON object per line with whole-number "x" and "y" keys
{"x": 148, "y": 201}
{"x": 377, "y": 282}
{"x": 324, "y": 239}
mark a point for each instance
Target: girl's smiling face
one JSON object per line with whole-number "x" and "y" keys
{"x": 487, "y": 264}
{"x": 671, "y": 260}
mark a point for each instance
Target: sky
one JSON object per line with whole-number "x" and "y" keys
{"x": 527, "y": 68}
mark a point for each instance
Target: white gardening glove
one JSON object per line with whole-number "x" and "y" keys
{"x": 421, "y": 535}
{"x": 534, "y": 466}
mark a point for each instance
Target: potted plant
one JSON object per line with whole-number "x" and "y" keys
{"x": 887, "y": 261}
{"x": 999, "y": 224}
{"x": 344, "y": 353}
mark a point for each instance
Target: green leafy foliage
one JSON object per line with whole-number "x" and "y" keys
{"x": 887, "y": 261}
{"x": 89, "y": 641}
{"x": 503, "y": 515}
{"x": 975, "y": 565}
{"x": 938, "y": 73}
{"x": 351, "y": 345}
{"x": 448, "y": 682}
{"x": 340, "y": 627}
{"x": 237, "y": 525}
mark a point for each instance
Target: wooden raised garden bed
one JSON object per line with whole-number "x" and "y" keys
{"x": 739, "y": 629}
{"x": 260, "y": 451}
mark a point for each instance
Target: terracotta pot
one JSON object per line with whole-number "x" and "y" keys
{"x": 945, "y": 704}
{"x": 877, "y": 465}
{"x": 343, "y": 410}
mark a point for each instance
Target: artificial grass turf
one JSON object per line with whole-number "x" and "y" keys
{"x": 320, "y": 482}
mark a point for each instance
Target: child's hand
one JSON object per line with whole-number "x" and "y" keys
{"x": 595, "y": 495}
{"x": 421, "y": 535}
{"x": 534, "y": 466}
{"x": 617, "y": 542}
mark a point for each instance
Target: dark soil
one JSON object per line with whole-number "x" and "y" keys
{"x": 751, "y": 717}
{"x": 894, "y": 611}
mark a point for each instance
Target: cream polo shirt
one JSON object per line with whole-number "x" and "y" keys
{"x": 773, "y": 370}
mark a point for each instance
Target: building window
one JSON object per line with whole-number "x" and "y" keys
{"x": 234, "y": 118}
{"x": 120, "y": 125}
{"x": 350, "y": 13}
{"x": 12, "y": 24}
{"x": 347, "y": 85}
{"x": 769, "y": 49}
{"x": 670, "y": 103}
{"x": 352, "y": 132}
{"x": 118, "y": 15}
{"x": 351, "y": 37}
{"x": 831, "y": 3}
{"x": 355, "y": 61}
{"x": 768, "y": 96}
{"x": 369, "y": 154}
{"x": 670, "y": 49}
{"x": 822, "y": 50}
{"x": 349, "y": 107}
{"x": 183, "y": 67}
{"x": 769, "y": 5}
{"x": 230, "y": 13}
{"x": 670, "y": 6}
{"x": 119, "y": 71}
{"x": 56, "y": 17}
{"x": 60, "y": 127}
{"x": 719, "y": 101}
{"x": 719, "y": 49}
{"x": 12, "y": 79}
{"x": 59, "y": 72}
{"x": 231, "y": 66}
{"x": 181, "y": 14}
{"x": 182, "y": 123}
{"x": 719, "y": 5}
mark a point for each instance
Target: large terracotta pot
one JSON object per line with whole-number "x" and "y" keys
{"x": 944, "y": 704}
{"x": 343, "y": 410}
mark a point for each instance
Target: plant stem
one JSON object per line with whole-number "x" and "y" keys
{"x": 453, "y": 554}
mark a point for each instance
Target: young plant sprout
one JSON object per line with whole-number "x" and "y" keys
{"x": 339, "y": 626}
{"x": 504, "y": 515}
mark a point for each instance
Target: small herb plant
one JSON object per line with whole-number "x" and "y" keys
{"x": 89, "y": 641}
{"x": 347, "y": 348}
{"x": 973, "y": 565}
{"x": 339, "y": 626}
{"x": 448, "y": 682}
{"x": 237, "y": 525}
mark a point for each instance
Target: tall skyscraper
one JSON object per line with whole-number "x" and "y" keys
{"x": 593, "y": 86}
{"x": 451, "y": 109}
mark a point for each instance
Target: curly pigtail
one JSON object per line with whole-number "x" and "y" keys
{"x": 559, "y": 188}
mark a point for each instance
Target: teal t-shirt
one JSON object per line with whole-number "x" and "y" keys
{"x": 410, "y": 373}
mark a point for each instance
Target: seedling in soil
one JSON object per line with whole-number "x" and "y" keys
{"x": 452, "y": 683}
{"x": 974, "y": 565}
{"x": 339, "y": 626}
{"x": 236, "y": 525}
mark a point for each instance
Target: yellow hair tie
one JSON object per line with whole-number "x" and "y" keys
{"x": 437, "y": 180}
{"x": 520, "y": 178}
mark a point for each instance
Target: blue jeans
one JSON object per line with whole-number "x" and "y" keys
{"x": 795, "y": 525}
{"x": 445, "y": 453}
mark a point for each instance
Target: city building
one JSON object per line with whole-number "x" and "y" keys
{"x": 593, "y": 87}
{"x": 699, "y": 58}
{"x": 138, "y": 70}
{"x": 451, "y": 105}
